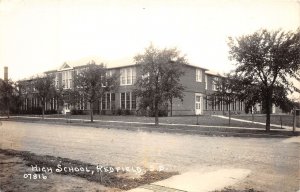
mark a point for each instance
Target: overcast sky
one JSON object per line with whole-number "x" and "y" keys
{"x": 39, "y": 35}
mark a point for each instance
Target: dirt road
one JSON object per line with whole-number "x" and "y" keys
{"x": 274, "y": 164}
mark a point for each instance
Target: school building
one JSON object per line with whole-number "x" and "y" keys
{"x": 199, "y": 83}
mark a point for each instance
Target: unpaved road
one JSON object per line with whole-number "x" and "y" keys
{"x": 274, "y": 164}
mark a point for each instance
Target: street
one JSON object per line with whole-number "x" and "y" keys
{"x": 274, "y": 163}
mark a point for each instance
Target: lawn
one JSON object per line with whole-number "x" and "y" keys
{"x": 193, "y": 120}
{"x": 190, "y": 120}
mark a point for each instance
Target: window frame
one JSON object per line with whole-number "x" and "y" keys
{"x": 199, "y": 75}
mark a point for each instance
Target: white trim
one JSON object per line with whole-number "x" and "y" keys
{"x": 199, "y": 111}
{"x": 120, "y": 100}
{"x": 62, "y": 68}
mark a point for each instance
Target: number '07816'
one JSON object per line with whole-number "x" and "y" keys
{"x": 34, "y": 176}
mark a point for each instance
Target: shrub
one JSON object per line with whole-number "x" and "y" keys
{"x": 76, "y": 112}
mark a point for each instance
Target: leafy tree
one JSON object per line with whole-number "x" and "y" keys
{"x": 270, "y": 59}
{"x": 70, "y": 96}
{"x": 281, "y": 99}
{"x": 175, "y": 89}
{"x": 17, "y": 97}
{"x": 249, "y": 93}
{"x": 92, "y": 83}
{"x": 45, "y": 89}
{"x": 6, "y": 94}
{"x": 226, "y": 92}
{"x": 159, "y": 81}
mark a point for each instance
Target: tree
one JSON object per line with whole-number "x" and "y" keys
{"x": 17, "y": 97}
{"x": 270, "y": 59}
{"x": 159, "y": 79}
{"x": 249, "y": 93}
{"x": 6, "y": 95}
{"x": 45, "y": 89}
{"x": 92, "y": 82}
{"x": 175, "y": 89}
{"x": 226, "y": 92}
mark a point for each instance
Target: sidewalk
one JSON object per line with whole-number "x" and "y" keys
{"x": 197, "y": 181}
{"x": 287, "y": 128}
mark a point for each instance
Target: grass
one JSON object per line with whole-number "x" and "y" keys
{"x": 189, "y": 120}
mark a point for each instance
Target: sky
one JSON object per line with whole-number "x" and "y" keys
{"x": 40, "y": 35}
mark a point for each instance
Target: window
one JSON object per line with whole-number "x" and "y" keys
{"x": 218, "y": 104}
{"x": 128, "y": 101}
{"x": 205, "y": 81}
{"x": 213, "y": 103}
{"x": 112, "y": 101}
{"x": 214, "y": 83}
{"x": 198, "y": 75}
{"x": 108, "y": 101}
{"x": 70, "y": 79}
{"x": 128, "y": 76}
{"x": 206, "y": 103}
{"x": 82, "y": 104}
{"x": 198, "y": 100}
{"x": 56, "y": 80}
{"x": 133, "y": 101}
{"x": 234, "y": 105}
{"x": 109, "y": 73}
{"x": 123, "y": 101}
{"x": 67, "y": 79}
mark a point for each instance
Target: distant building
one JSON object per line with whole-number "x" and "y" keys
{"x": 5, "y": 73}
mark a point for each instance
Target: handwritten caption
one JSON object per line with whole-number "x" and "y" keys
{"x": 40, "y": 173}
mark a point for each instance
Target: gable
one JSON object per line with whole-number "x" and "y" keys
{"x": 65, "y": 66}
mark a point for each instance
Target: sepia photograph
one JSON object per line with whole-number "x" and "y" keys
{"x": 150, "y": 96}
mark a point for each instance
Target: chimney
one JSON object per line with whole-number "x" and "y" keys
{"x": 5, "y": 73}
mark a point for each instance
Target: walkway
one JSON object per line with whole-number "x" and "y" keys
{"x": 286, "y": 128}
{"x": 197, "y": 181}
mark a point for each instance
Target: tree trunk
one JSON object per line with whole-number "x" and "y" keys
{"x": 156, "y": 114}
{"x": 91, "y": 112}
{"x": 43, "y": 110}
{"x": 268, "y": 105}
{"x": 252, "y": 116}
{"x": 171, "y": 103}
{"x": 268, "y": 115}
